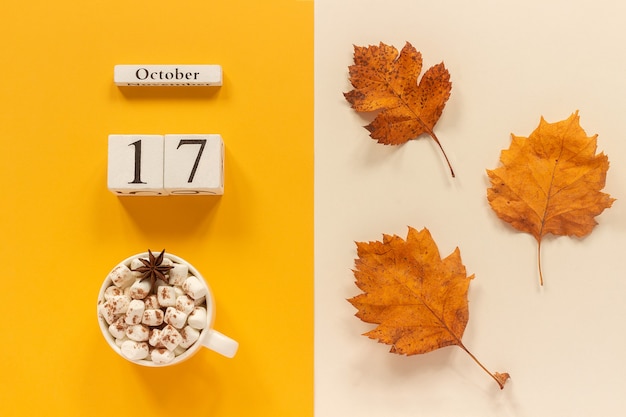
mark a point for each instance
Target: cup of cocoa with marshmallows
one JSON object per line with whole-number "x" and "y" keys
{"x": 156, "y": 309}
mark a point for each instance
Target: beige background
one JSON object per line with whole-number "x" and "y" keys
{"x": 510, "y": 62}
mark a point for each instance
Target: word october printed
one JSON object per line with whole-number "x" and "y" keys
{"x": 144, "y": 74}
{"x": 168, "y": 75}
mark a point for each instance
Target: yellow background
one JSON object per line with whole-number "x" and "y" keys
{"x": 62, "y": 230}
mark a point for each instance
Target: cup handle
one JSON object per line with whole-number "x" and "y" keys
{"x": 220, "y": 343}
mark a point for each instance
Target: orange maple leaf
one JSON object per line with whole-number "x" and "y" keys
{"x": 384, "y": 80}
{"x": 550, "y": 182}
{"x": 417, "y": 299}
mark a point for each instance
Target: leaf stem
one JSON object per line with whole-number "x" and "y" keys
{"x": 500, "y": 380}
{"x": 432, "y": 135}
{"x": 539, "y": 262}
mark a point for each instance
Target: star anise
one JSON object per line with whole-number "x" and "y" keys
{"x": 152, "y": 268}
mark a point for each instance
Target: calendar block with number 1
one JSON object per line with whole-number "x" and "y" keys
{"x": 136, "y": 165}
{"x": 154, "y": 165}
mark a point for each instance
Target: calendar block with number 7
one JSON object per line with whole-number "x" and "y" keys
{"x": 193, "y": 164}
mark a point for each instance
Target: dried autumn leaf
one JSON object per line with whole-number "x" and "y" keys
{"x": 550, "y": 182}
{"x": 417, "y": 299}
{"x": 384, "y": 80}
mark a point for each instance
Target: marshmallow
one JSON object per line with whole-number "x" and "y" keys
{"x": 105, "y": 310}
{"x": 197, "y": 318}
{"x": 134, "y": 314}
{"x": 167, "y": 262}
{"x": 121, "y": 340}
{"x": 155, "y": 338}
{"x": 170, "y": 338}
{"x": 190, "y": 335}
{"x": 178, "y": 274}
{"x": 120, "y": 303}
{"x": 184, "y": 304}
{"x": 178, "y": 291}
{"x": 166, "y": 296}
{"x": 175, "y": 317}
{"x": 179, "y": 350}
{"x": 118, "y": 328}
{"x": 135, "y": 350}
{"x": 121, "y": 276}
{"x": 140, "y": 289}
{"x": 112, "y": 308}
{"x": 194, "y": 288}
{"x": 152, "y": 317}
{"x": 138, "y": 332}
{"x": 151, "y": 302}
{"x": 162, "y": 356}
{"x": 134, "y": 264}
{"x": 112, "y": 291}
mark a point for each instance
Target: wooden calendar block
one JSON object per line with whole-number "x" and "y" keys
{"x": 194, "y": 164}
{"x": 135, "y": 166}
{"x": 168, "y": 75}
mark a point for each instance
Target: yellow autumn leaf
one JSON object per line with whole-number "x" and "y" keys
{"x": 551, "y": 182}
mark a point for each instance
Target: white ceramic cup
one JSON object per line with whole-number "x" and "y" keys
{"x": 209, "y": 337}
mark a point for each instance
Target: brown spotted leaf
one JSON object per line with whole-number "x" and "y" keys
{"x": 386, "y": 81}
{"x": 550, "y": 182}
{"x": 417, "y": 300}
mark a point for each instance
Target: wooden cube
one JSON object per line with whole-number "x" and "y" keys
{"x": 135, "y": 165}
{"x": 194, "y": 164}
